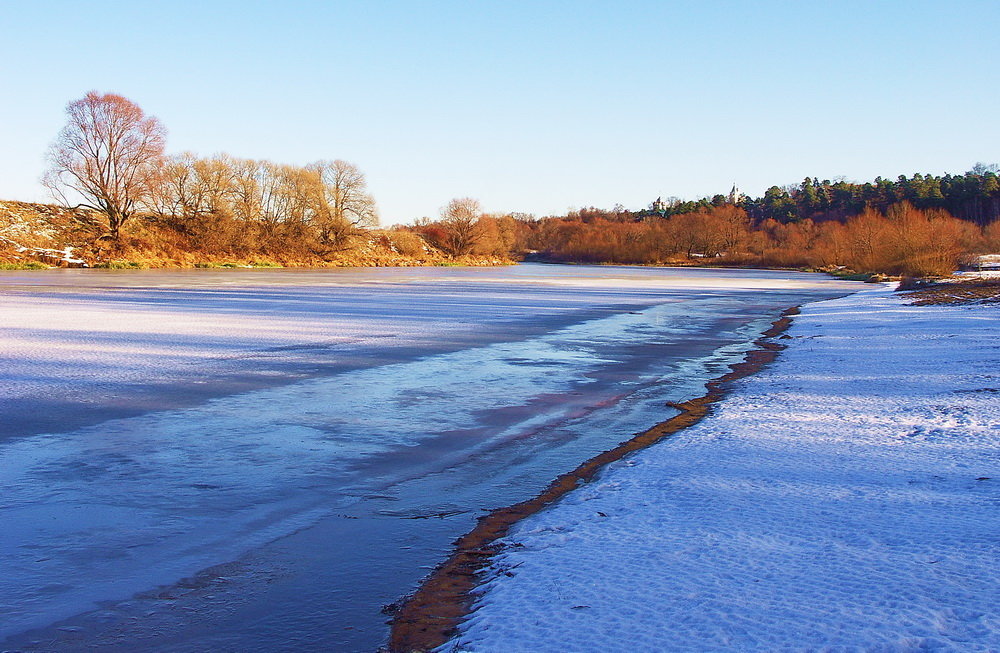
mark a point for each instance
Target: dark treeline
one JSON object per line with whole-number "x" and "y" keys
{"x": 973, "y": 196}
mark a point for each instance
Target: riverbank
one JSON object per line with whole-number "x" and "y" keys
{"x": 39, "y": 236}
{"x": 844, "y": 496}
{"x": 431, "y": 616}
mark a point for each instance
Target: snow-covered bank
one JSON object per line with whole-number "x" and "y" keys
{"x": 845, "y": 497}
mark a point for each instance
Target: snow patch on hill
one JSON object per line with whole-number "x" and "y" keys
{"x": 44, "y": 233}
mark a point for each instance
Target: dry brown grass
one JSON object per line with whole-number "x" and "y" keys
{"x": 155, "y": 242}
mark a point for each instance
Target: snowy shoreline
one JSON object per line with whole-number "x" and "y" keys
{"x": 429, "y": 617}
{"x": 844, "y": 497}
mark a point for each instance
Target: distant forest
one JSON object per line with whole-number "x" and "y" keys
{"x": 974, "y": 196}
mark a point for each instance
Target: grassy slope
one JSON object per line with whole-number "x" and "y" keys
{"x": 37, "y": 235}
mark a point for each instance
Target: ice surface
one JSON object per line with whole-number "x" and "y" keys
{"x": 83, "y": 345}
{"x": 465, "y": 365}
{"x": 843, "y": 499}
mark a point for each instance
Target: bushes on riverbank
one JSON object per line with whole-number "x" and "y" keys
{"x": 903, "y": 240}
{"x": 39, "y": 235}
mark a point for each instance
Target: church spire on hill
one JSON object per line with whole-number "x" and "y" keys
{"x": 735, "y": 195}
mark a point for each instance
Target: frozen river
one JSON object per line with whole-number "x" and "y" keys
{"x": 235, "y": 460}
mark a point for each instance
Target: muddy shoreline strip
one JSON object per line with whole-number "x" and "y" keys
{"x": 430, "y": 617}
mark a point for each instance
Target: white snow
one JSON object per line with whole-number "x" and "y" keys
{"x": 988, "y": 261}
{"x": 984, "y": 273}
{"x": 64, "y": 255}
{"x": 845, "y": 498}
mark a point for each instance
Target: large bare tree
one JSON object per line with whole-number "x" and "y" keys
{"x": 460, "y": 221}
{"x": 108, "y": 154}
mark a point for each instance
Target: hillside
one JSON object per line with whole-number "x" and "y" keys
{"x": 42, "y": 235}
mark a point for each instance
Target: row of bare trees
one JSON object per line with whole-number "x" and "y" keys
{"x": 902, "y": 240}
{"x": 583, "y": 237}
{"x": 222, "y": 198}
{"x": 110, "y": 157}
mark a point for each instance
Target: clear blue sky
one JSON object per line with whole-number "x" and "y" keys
{"x": 529, "y": 106}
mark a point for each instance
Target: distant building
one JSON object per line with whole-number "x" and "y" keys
{"x": 659, "y": 206}
{"x": 735, "y": 195}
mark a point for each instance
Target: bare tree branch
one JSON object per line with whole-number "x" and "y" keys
{"x": 109, "y": 153}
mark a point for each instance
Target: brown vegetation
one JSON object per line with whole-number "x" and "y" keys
{"x": 222, "y": 208}
{"x": 40, "y": 233}
{"x": 108, "y": 154}
{"x": 242, "y": 207}
{"x": 465, "y": 229}
{"x": 187, "y": 210}
{"x": 902, "y": 241}
{"x": 32, "y": 234}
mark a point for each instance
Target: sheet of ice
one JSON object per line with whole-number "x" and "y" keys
{"x": 846, "y": 498}
{"x": 525, "y": 363}
{"x": 133, "y": 503}
{"x": 78, "y": 345}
